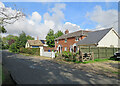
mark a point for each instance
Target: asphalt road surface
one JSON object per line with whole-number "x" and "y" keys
{"x": 26, "y": 71}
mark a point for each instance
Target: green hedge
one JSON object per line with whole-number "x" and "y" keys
{"x": 32, "y": 51}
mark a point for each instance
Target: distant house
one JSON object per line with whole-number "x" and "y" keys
{"x": 67, "y": 42}
{"x": 34, "y": 44}
{"x": 101, "y": 38}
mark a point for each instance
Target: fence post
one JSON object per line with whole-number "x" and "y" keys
{"x": 106, "y": 51}
{"x": 98, "y": 52}
{"x": 89, "y": 49}
{"x": 113, "y": 50}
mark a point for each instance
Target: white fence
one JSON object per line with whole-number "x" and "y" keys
{"x": 47, "y": 54}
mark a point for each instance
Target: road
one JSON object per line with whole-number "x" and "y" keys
{"x": 26, "y": 71}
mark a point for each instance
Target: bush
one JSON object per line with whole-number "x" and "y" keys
{"x": 13, "y": 48}
{"x": 67, "y": 55}
{"x": 32, "y": 51}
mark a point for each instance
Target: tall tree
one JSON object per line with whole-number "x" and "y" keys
{"x": 21, "y": 41}
{"x": 29, "y": 37}
{"x": 50, "y": 38}
{"x": 58, "y": 33}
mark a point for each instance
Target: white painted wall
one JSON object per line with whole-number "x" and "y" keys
{"x": 27, "y": 45}
{"x": 109, "y": 39}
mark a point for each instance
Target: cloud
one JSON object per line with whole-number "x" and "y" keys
{"x": 36, "y": 17}
{"x": 37, "y": 25}
{"x": 34, "y": 27}
{"x": 71, "y": 27}
{"x": 104, "y": 18}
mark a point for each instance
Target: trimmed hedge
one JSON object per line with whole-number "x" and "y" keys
{"x": 32, "y": 51}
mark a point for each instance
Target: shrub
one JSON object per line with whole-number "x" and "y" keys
{"x": 67, "y": 55}
{"x": 32, "y": 51}
{"x": 13, "y": 48}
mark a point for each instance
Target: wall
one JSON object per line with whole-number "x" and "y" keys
{"x": 99, "y": 52}
{"x": 70, "y": 41}
{"x": 48, "y": 54}
{"x": 27, "y": 45}
{"x": 109, "y": 39}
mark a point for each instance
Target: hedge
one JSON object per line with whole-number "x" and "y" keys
{"x": 32, "y": 51}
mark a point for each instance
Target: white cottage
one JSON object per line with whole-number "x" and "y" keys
{"x": 34, "y": 44}
{"x": 101, "y": 38}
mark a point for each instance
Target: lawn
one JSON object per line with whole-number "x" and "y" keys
{"x": 105, "y": 67}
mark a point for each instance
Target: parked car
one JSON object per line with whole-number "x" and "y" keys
{"x": 117, "y": 55}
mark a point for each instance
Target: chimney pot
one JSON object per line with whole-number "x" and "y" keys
{"x": 37, "y": 38}
{"x": 67, "y": 31}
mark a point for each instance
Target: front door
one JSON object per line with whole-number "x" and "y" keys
{"x": 74, "y": 48}
{"x": 59, "y": 49}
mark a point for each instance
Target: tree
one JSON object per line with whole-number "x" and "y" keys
{"x": 8, "y": 16}
{"x": 50, "y": 38}
{"x": 58, "y": 33}
{"x": 8, "y": 40}
{"x": 13, "y": 47}
{"x": 21, "y": 41}
{"x": 29, "y": 37}
{"x": 2, "y": 29}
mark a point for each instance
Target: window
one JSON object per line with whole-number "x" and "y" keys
{"x": 77, "y": 39}
{"x": 65, "y": 48}
{"x": 65, "y": 40}
{"x": 57, "y": 41}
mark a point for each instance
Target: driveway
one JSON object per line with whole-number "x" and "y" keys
{"x": 29, "y": 70}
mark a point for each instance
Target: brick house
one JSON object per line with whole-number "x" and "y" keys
{"x": 67, "y": 42}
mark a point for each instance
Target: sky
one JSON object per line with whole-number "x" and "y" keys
{"x": 74, "y": 16}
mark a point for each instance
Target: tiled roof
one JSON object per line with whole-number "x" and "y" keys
{"x": 35, "y": 42}
{"x": 74, "y": 34}
{"x": 94, "y": 37}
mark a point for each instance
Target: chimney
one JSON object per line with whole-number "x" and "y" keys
{"x": 37, "y": 38}
{"x": 66, "y": 32}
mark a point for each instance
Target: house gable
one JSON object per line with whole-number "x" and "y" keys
{"x": 109, "y": 40}
{"x": 27, "y": 45}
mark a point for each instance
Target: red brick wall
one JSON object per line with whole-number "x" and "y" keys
{"x": 70, "y": 41}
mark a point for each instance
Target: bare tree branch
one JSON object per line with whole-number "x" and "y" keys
{"x": 9, "y": 16}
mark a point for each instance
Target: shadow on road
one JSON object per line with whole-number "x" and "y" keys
{"x": 25, "y": 70}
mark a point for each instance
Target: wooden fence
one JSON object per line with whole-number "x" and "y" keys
{"x": 100, "y": 52}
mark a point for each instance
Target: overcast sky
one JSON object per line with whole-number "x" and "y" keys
{"x": 42, "y": 16}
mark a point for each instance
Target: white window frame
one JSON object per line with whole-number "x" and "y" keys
{"x": 77, "y": 39}
{"x": 65, "y": 48}
{"x": 65, "y": 40}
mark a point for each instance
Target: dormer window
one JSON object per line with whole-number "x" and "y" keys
{"x": 65, "y": 40}
{"x": 77, "y": 39}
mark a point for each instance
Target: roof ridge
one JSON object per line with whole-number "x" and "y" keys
{"x": 102, "y": 29}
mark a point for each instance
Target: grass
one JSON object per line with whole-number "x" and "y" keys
{"x": 95, "y": 60}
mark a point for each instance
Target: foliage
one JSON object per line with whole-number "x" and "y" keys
{"x": 21, "y": 41}
{"x": 13, "y": 48}
{"x": 66, "y": 54}
{"x": 58, "y": 33}
{"x": 29, "y": 37}
{"x": 32, "y": 51}
{"x": 2, "y": 29}
{"x": 51, "y": 37}
{"x": 8, "y": 40}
